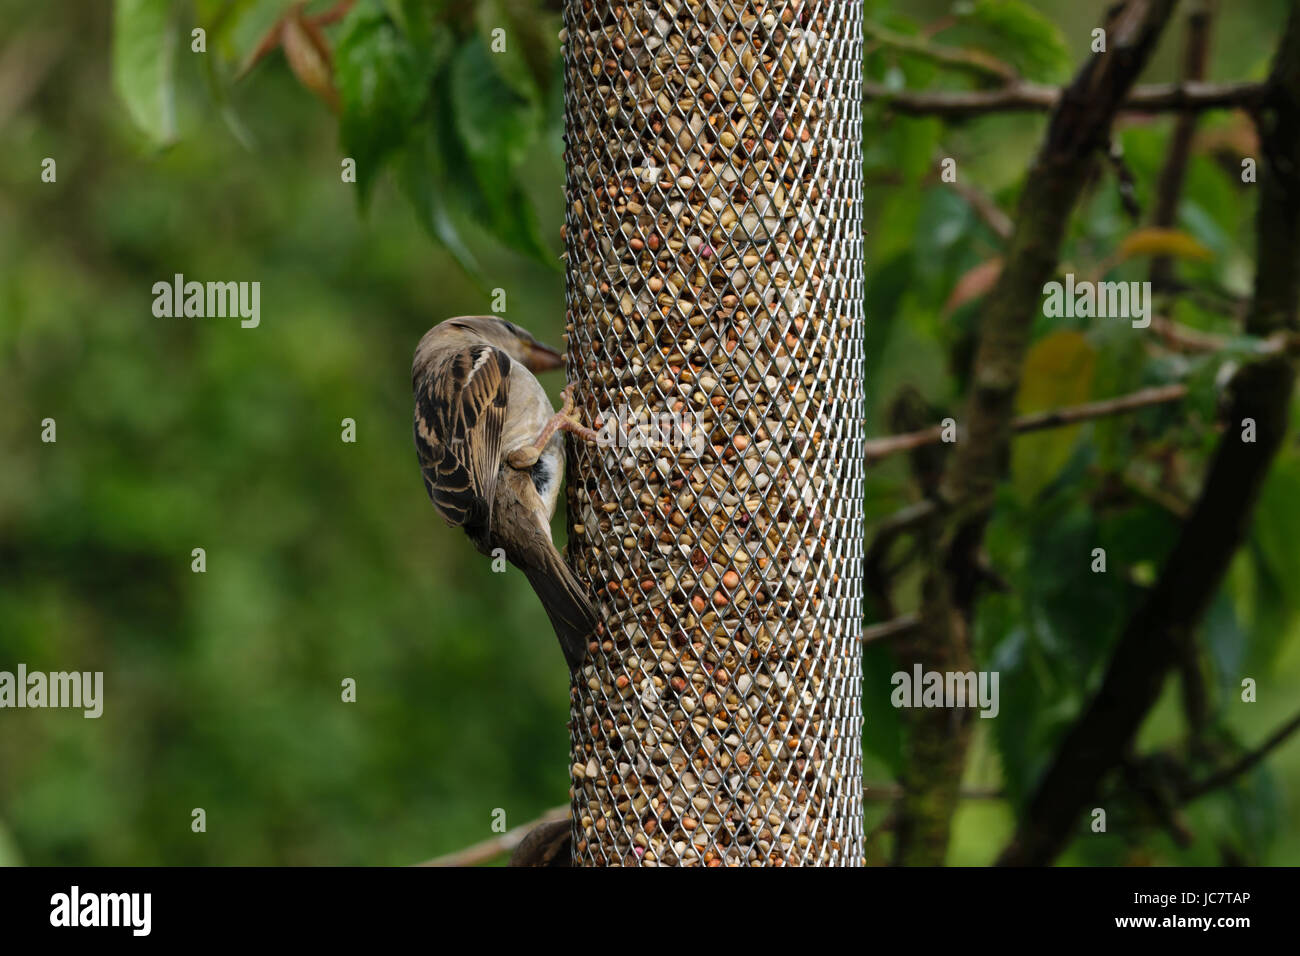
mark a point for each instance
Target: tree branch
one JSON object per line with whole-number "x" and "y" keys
{"x": 904, "y": 624}
{"x": 978, "y": 64}
{"x": 989, "y": 212}
{"x": 1185, "y": 339}
{"x": 936, "y": 740}
{"x": 1169, "y": 188}
{"x": 1156, "y": 635}
{"x": 508, "y": 842}
{"x": 488, "y": 850}
{"x": 1025, "y": 97}
{"x": 878, "y": 448}
{"x": 1228, "y": 774}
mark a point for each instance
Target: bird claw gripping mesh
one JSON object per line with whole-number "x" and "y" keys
{"x": 714, "y": 285}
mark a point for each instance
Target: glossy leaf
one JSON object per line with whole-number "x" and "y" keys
{"x": 382, "y": 84}
{"x": 144, "y": 50}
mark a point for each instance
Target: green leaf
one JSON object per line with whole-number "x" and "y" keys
{"x": 496, "y": 125}
{"x": 383, "y": 83}
{"x": 425, "y": 186}
{"x": 525, "y": 50}
{"x": 1273, "y": 545}
{"x": 495, "y": 121}
{"x": 1021, "y": 35}
{"x": 144, "y": 51}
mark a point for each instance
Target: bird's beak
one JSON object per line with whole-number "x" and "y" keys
{"x": 541, "y": 358}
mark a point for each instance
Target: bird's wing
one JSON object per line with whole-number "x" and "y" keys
{"x": 460, "y": 411}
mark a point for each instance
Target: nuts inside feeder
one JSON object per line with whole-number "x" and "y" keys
{"x": 714, "y": 275}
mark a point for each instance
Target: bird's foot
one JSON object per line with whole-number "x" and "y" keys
{"x": 566, "y": 420}
{"x": 570, "y": 403}
{"x": 571, "y": 422}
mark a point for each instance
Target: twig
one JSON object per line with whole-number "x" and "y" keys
{"x": 1224, "y": 777}
{"x": 904, "y": 519}
{"x": 505, "y": 843}
{"x": 892, "y": 791}
{"x": 887, "y": 629}
{"x": 1037, "y": 98}
{"x": 1187, "y": 339}
{"x": 1161, "y": 497}
{"x": 980, "y": 65}
{"x": 1145, "y": 779}
{"x": 1169, "y": 188}
{"x": 1074, "y": 414}
{"x": 877, "y": 448}
{"x": 989, "y": 212}
{"x": 488, "y": 850}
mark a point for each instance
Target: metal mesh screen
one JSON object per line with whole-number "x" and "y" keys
{"x": 714, "y": 283}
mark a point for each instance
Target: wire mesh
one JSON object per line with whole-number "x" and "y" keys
{"x": 714, "y": 287}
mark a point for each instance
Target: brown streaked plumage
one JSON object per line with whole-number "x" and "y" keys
{"x": 491, "y": 451}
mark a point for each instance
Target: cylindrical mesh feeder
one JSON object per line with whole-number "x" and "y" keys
{"x": 714, "y": 282}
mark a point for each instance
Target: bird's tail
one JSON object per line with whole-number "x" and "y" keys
{"x": 566, "y": 604}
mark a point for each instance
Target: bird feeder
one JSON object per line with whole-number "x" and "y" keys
{"x": 714, "y": 306}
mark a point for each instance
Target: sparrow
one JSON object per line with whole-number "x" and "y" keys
{"x": 491, "y": 450}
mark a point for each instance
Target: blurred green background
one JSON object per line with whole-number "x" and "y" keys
{"x": 325, "y": 560}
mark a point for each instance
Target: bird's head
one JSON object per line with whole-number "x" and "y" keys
{"x": 518, "y": 343}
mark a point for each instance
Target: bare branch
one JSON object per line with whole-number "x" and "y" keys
{"x": 1186, "y": 339}
{"x": 1037, "y": 98}
{"x": 878, "y": 448}
{"x": 990, "y": 213}
{"x": 892, "y": 791}
{"x": 1228, "y": 774}
{"x": 887, "y": 629}
{"x": 1075, "y": 414}
{"x": 975, "y": 62}
{"x": 489, "y": 850}
{"x": 1169, "y": 188}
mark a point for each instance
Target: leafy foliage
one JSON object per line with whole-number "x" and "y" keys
{"x": 1121, "y": 484}
{"x": 453, "y": 96}
{"x": 1016, "y": 30}
{"x": 324, "y": 559}
{"x": 144, "y": 48}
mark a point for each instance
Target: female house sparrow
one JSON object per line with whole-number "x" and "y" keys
{"x": 491, "y": 450}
